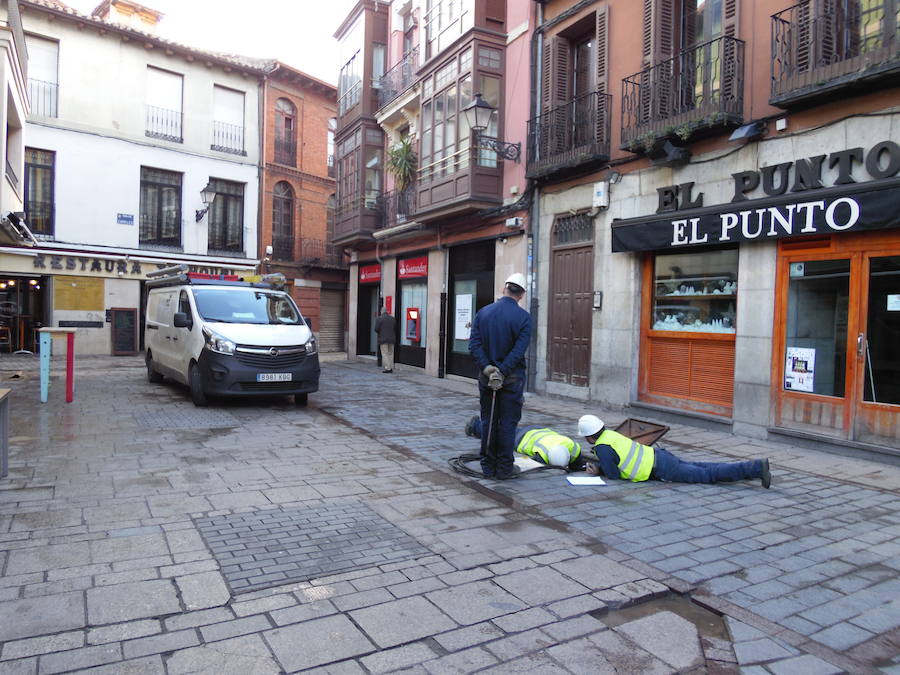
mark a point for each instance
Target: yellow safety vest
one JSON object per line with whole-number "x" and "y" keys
{"x": 539, "y": 441}
{"x": 635, "y": 460}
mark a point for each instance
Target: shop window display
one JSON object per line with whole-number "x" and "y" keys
{"x": 696, "y": 292}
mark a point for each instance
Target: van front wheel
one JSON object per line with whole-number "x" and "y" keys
{"x": 198, "y": 396}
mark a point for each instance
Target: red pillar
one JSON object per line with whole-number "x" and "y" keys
{"x": 70, "y": 367}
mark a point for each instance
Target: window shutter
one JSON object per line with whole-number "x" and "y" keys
{"x": 802, "y": 14}
{"x": 658, "y": 48}
{"x": 730, "y": 76}
{"x": 555, "y": 93}
{"x": 601, "y": 44}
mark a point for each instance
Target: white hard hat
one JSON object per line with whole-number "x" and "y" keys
{"x": 516, "y": 278}
{"x": 588, "y": 425}
{"x": 558, "y": 455}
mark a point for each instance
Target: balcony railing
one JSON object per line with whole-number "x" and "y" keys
{"x": 397, "y": 206}
{"x": 283, "y": 247}
{"x": 570, "y": 135}
{"x": 331, "y": 166}
{"x": 701, "y": 87}
{"x": 815, "y": 51}
{"x": 164, "y": 124}
{"x": 228, "y": 138}
{"x": 43, "y": 97}
{"x": 320, "y": 253}
{"x": 285, "y": 149}
{"x": 398, "y": 79}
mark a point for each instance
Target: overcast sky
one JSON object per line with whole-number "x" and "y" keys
{"x": 297, "y": 32}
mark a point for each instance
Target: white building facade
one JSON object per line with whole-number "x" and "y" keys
{"x": 125, "y": 132}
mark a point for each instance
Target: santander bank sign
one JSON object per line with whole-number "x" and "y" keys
{"x": 411, "y": 268}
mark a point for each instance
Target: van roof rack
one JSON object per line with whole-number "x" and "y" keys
{"x": 180, "y": 275}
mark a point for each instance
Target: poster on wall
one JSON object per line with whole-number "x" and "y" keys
{"x": 799, "y": 369}
{"x": 463, "y": 317}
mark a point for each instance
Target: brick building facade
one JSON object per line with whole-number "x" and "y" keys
{"x": 297, "y": 198}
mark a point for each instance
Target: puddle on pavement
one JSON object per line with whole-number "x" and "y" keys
{"x": 708, "y": 623}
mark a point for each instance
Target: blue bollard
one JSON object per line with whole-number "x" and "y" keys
{"x": 46, "y": 342}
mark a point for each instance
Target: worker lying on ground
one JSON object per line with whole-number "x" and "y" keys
{"x": 541, "y": 444}
{"x": 622, "y": 458}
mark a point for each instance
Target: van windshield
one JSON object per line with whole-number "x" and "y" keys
{"x": 250, "y": 305}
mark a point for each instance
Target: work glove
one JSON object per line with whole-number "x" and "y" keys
{"x": 494, "y": 376}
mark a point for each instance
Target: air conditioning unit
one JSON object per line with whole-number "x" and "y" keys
{"x": 601, "y": 195}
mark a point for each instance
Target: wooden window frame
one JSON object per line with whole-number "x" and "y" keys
{"x": 158, "y": 239}
{"x": 50, "y": 228}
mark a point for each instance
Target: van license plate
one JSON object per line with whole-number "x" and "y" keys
{"x": 273, "y": 377}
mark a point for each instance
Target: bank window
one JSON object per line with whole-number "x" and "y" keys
{"x": 413, "y": 308}
{"x": 226, "y": 217}
{"x": 39, "y": 190}
{"x": 160, "y": 207}
{"x": 816, "y": 330}
{"x": 695, "y": 292}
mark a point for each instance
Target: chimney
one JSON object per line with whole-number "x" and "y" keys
{"x": 128, "y": 14}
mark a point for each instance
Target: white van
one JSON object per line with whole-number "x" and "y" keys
{"x": 227, "y": 338}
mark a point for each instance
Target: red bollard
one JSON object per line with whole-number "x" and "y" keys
{"x": 70, "y": 367}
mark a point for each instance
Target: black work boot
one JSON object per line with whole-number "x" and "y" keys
{"x": 470, "y": 426}
{"x": 766, "y": 477}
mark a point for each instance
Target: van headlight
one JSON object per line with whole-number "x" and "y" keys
{"x": 216, "y": 343}
{"x": 311, "y": 347}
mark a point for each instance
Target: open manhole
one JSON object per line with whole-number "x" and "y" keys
{"x": 262, "y": 549}
{"x": 708, "y": 623}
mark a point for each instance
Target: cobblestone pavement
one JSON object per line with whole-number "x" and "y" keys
{"x": 135, "y": 530}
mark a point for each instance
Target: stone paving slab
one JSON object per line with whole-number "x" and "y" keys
{"x": 261, "y": 549}
{"x": 104, "y": 567}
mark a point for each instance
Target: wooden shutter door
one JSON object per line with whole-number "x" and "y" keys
{"x": 659, "y": 46}
{"x": 601, "y": 44}
{"x": 731, "y": 78}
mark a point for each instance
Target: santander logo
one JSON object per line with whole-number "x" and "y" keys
{"x": 414, "y": 267}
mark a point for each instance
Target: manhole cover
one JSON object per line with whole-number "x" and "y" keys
{"x": 179, "y": 417}
{"x": 280, "y": 546}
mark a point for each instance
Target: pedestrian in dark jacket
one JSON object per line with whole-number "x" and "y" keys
{"x": 498, "y": 342}
{"x": 386, "y": 329}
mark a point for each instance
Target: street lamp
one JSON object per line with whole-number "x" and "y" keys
{"x": 478, "y": 114}
{"x": 207, "y": 196}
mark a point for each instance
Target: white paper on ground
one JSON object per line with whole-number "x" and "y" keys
{"x": 585, "y": 480}
{"x": 526, "y": 463}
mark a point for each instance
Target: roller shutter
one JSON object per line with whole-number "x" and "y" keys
{"x": 331, "y": 329}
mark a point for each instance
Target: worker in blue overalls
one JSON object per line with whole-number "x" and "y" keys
{"x": 498, "y": 341}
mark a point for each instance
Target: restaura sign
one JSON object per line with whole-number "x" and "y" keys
{"x": 412, "y": 268}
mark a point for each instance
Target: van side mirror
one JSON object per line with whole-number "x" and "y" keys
{"x": 182, "y": 320}
{"x": 308, "y": 321}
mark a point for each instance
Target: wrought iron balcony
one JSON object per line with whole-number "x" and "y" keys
{"x": 164, "y": 124}
{"x": 228, "y": 138}
{"x": 398, "y": 79}
{"x": 43, "y": 97}
{"x": 397, "y": 206}
{"x": 815, "y": 52}
{"x": 570, "y": 135}
{"x": 700, "y": 87}
{"x": 283, "y": 247}
{"x": 285, "y": 149}
{"x": 320, "y": 253}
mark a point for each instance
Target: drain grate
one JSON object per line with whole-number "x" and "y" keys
{"x": 269, "y": 548}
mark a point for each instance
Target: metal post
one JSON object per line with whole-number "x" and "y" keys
{"x": 4, "y": 434}
{"x": 46, "y": 342}
{"x": 70, "y": 367}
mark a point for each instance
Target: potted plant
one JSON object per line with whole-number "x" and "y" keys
{"x": 401, "y": 163}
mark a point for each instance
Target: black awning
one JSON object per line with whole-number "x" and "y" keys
{"x": 874, "y": 205}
